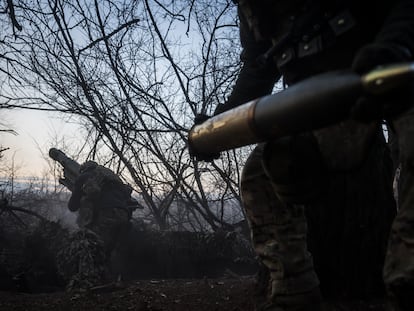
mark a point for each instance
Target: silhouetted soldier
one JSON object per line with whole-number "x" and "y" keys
{"x": 103, "y": 203}
{"x": 337, "y": 180}
{"x": 104, "y": 206}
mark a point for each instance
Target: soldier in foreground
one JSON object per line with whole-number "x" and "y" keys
{"x": 287, "y": 182}
{"x": 104, "y": 206}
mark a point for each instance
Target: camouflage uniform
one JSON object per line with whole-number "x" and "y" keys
{"x": 284, "y": 179}
{"x": 278, "y": 231}
{"x": 104, "y": 213}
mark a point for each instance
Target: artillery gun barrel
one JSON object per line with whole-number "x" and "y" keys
{"x": 312, "y": 104}
{"x": 64, "y": 160}
{"x": 71, "y": 168}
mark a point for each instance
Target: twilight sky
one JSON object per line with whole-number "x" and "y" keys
{"x": 36, "y": 133}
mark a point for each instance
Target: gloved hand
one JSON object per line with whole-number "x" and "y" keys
{"x": 220, "y": 108}
{"x": 198, "y": 119}
{"x": 375, "y": 54}
{"x": 369, "y": 108}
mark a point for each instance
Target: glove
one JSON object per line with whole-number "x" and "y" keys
{"x": 220, "y": 108}
{"x": 369, "y": 108}
{"x": 200, "y": 118}
{"x": 374, "y": 55}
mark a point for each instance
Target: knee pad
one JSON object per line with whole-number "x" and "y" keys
{"x": 295, "y": 167}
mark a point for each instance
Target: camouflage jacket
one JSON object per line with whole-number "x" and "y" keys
{"x": 102, "y": 188}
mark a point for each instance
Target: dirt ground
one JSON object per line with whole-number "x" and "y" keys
{"x": 148, "y": 295}
{"x": 224, "y": 294}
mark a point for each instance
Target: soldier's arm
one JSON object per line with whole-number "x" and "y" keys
{"x": 74, "y": 200}
{"x": 393, "y": 43}
{"x": 399, "y": 28}
{"x": 254, "y": 80}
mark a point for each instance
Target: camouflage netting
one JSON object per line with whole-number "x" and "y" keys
{"x": 82, "y": 262}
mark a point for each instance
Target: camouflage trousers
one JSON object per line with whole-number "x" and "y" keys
{"x": 280, "y": 180}
{"x": 278, "y": 231}
{"x": 110, "y": 224}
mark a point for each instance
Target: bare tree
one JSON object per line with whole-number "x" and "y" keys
{"x": 136, "y": 73}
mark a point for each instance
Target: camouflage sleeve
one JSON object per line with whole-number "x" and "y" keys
{"x": 74, "y": 200}
{"x": 254, "y": 80}
{"x": 398, "y": 29}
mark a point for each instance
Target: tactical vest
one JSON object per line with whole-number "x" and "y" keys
{"x": 297, "y": 28}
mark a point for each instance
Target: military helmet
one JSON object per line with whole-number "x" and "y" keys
{"x": 87, "y": 166}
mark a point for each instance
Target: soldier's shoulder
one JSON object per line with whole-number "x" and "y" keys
{"x": 105, "y": 173}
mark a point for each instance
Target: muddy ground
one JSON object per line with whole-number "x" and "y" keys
{"x": 222, "y": 294}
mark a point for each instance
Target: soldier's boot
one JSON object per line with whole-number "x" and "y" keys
{"x": 399, "y": 261}
{"x": 279, "y": 238}
{"x": 310, "y": 301}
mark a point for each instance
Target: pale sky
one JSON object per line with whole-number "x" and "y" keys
{"x": 36, "y": 132}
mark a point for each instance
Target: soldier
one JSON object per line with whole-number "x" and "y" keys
{"x": 104, "y": 207}
{"x": 103, "y": 202}
{"x": 337, "y": 170}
